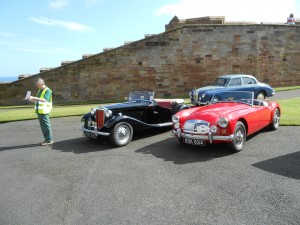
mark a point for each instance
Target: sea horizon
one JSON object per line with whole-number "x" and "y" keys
{"x": 8, "y": 79}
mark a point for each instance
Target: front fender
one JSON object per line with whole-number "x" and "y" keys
{"x": 117, "y": 119}
{"x": 86, "y": 116}
{"x": 176, "y": 107}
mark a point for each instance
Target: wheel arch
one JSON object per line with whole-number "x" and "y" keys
{"x": 261, "y": 91}
{"x": 244, "y": 121}
{"x": 273, "y": 111}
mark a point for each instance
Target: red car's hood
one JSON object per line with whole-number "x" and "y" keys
{"x": 211, "y": 113}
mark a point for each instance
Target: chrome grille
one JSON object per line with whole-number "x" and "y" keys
{"x": 196, "y": 126}
{"x": 100, "y": 118}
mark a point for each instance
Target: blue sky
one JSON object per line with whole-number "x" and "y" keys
{"x": 42, "y": 33}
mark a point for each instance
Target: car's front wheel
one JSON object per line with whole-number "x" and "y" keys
{"x": 121, "y": 134}
{"x": 261, "y": 95}
{"x": 275, "y": 120}
{"x": 239, "y": 137}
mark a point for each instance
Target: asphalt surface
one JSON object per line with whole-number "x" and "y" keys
{"x": 153, "y": 180}
{"x": 286, "y": 94}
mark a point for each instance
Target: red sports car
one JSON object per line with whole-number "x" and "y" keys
{"x": 229, "y": 118}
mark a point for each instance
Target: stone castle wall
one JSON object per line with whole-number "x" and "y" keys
{"x": 172, "y": 63}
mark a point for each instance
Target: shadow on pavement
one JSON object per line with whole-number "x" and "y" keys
{"x": 172, "y": 150}
{"x": 18, "y": 147}
{"x": 286, "y": 165}
{"x": 82, "y": 145}
{"x": 85, "y": 145}
{"x": 141, "y": 134}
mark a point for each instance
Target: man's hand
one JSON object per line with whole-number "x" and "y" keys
{"x": 31, "y": 98}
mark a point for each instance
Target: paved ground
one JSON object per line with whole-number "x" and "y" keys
{"x": 153, "y": 180}
{"x": 286, "y": 94}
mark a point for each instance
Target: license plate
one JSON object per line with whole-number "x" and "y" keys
{"x": 194, "y": 142}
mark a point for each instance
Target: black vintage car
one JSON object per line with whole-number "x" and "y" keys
{"x": 141, "y": 111}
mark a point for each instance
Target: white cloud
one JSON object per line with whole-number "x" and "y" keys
{"x": 58, "y": 4}
{"x": 233, "y": 10}
{"x": 72, "y": 26}
{"x": 19, "y": 43}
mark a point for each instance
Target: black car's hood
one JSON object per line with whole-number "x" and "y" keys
{"x": 126, "y": 105}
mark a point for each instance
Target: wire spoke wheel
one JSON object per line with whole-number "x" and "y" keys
{"x": 275, "y": 121}
{"x": 261, "y": 95}
{"x": 122, "y": 134}
{"x": 239, "y": 137}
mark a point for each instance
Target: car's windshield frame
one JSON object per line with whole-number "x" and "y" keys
{"x": 244, "y": 97}
{"x": 141, "y": 96}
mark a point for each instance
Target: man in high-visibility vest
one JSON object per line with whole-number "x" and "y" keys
{"x": 43, "y": 106}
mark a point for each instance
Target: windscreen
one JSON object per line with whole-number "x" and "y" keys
{"x": 141, "y": 95}
{"x": 233, "y": 96}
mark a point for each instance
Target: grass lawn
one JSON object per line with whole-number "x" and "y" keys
{"x": 290, "y": 111}
{"x": 25, "y": 113}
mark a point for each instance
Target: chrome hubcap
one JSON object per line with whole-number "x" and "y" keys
{"x": 276, "y": 118}
{"x": 261, "y": 96}
{"x": 239, "y": 138}
{"x": 123, "y": 134}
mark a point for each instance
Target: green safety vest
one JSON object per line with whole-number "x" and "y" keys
{"x": 43, "y": 107}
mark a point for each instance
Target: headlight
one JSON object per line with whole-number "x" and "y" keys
{"x": 203, "y": 95}
{"x": 93, "y": 110}
{"x": 223, "y": 122}
{"x": 107, "y": 112}
{"x": 175, "y": 119}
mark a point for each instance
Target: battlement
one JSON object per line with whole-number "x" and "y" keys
{"x": 175, "y": 22}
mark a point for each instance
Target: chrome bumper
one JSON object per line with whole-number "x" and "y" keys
{"x": 95, "y": 131}
{"x": 273, "y": 93}
{"x": 209, "y": 137}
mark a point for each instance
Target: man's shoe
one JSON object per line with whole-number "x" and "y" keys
{"x": 47, "y": 143}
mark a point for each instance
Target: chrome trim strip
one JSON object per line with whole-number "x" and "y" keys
{"x": 94, "y": 131}
{"x": 273, "y": 93}
{"x": 209, "y": 137}
{"x": 164, "y": 124}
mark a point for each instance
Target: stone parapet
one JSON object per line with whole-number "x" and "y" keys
{"x": 22, "y": 76}
{"x": 66, "y": 62}
{"x": 107, "y": 49}
{"x": 84, "y": 56}
{"x": 46, "y": 69}
{"x": 175, "y": 22}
